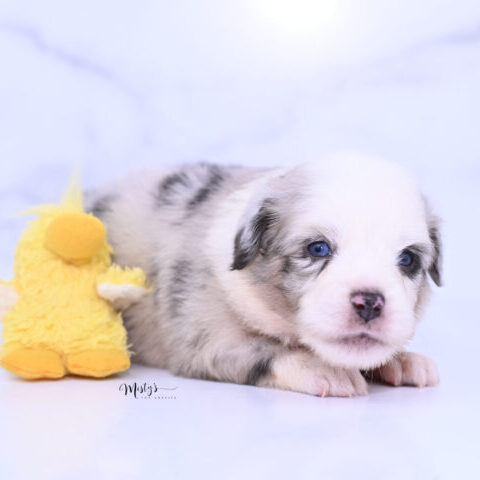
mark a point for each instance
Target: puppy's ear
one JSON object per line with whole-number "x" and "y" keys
{"x": 433, "y": 224}
{"x": 255, "y": 233}
{"x": 435, "y": 269}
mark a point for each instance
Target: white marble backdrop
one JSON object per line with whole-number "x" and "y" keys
{"x": 114, "y": 84}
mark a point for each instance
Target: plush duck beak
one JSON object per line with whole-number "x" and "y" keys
{"x": 75, "y": 237}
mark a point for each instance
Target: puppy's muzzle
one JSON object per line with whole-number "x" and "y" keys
{"x": 367, "y": 305}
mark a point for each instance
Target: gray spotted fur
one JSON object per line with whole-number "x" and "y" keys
{"x": 174, "y": 327}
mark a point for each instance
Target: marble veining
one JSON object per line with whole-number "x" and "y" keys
{"x": 114, "y": 85}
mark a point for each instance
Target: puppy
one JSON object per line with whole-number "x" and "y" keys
{"x": 301, "y": 279}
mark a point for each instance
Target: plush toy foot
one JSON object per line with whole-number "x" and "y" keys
{"x": 98, "y": 363}
{"x": 34, "y": 363}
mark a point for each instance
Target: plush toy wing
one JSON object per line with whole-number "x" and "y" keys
{"x": 121, "y": 296}
{"x": 122, "y": 287}
{"x": 8, "y": 298}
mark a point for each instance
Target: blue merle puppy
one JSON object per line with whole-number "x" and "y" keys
{"x": 300, "y": 279}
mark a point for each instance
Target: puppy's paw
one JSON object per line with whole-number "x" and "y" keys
{"x": 302, "y": 372}
{"x": 339, "y": 382}
{"x": 409, "y": 368}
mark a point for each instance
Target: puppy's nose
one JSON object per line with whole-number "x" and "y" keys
{"x": 367, "y": 305}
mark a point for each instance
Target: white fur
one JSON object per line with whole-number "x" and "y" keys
{"x": 204, "y": 319}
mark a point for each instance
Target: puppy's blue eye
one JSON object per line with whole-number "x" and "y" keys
{"x": 319, "y": 249}
{"x": 405, "y": 259}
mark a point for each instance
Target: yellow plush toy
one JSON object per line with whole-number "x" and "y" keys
{"x": 60, "y": 311}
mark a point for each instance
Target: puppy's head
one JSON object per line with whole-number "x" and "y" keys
{"x": 348, "y": 245}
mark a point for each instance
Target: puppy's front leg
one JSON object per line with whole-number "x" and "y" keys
{"x": 301, "y": 371}
{"x": 253, "y": 361}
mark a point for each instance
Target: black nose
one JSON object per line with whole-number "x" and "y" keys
{"x": 367, "y": 305}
